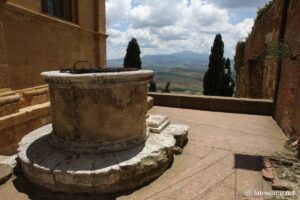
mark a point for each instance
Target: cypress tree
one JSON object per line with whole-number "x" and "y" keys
{"x": 167, "y": 90}
{"x": 213, "y": 78}
{"x": 229, "y": 83}
{"x": 227, "y": 66}
{"x": 132, "y": 58}
{"x": 152, "y": 86}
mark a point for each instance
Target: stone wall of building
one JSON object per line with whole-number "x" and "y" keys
{"x": 256, "y": 71}
{"x": 32, "y": 42}
{"x": 289, "y": 90}
{"x": 3, "y": 60}
{"x": 266, "y": 67}
{"x": 34, "y": 5}
{"x": 37, "y": 43}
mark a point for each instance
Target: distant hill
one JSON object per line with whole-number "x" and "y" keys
{"x": 184, "y": 59}
{"x": 184, "y": 70}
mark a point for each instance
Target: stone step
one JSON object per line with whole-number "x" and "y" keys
{"x": 157, "y": 123}
{"x": 94, "y": 173}
{"x": 159, "y": 129}
{"x": 6, "y": 92}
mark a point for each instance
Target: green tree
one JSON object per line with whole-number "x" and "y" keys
{"x": 213, "y": 78}
{"x": 229, "y": 83}
{"x": 132, "y": 58}
{"x": 167, "y": 88}
{"x": 227, "y": 66}
{"x": 152, "y": 86}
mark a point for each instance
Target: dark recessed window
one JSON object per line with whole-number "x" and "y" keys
{"x": 64, "y": 9}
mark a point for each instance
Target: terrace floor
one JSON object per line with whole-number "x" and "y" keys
{"x": 220, "y": 161}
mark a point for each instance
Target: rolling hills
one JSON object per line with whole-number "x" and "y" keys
{"x": 184, "y": 70}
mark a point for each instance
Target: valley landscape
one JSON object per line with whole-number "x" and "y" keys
{"x": 184, "y": 70}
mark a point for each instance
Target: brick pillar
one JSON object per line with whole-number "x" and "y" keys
{"x": 3, "y": 60}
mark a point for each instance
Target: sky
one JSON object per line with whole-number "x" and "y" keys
{"x": 170, "y": 26}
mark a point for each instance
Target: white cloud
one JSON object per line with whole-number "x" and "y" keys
{"x": 156, "y": 13}
{"x": 244, "y": 27}
{"x": 170, "y": 26}
{"x": 117, "y": 10}
{"x": 238, "y": 3}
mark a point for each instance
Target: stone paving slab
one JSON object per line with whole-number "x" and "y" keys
{"x": 5, "y": 173}
{"x": 207, "y": 166}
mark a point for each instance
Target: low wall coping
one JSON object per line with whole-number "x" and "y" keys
{"x": 214, "y": 103}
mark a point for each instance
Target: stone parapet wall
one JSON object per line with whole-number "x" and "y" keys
{"x": 218, "y": 104}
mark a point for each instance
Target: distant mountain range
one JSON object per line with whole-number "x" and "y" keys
{"x": 184, "y": 59}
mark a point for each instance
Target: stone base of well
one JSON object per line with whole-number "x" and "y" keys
{"x": 110, "y": 172}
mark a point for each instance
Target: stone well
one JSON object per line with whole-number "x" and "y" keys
{"x": 100, "y": 140}
{"x": 100, "y": 112}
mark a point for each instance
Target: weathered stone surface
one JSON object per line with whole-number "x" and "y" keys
{"x": 280, "y": 184}
{"x": 155, "y": 121}
{"x": 4, "y": 83}
{"x": 13, "y": 127}
{"x": 150, "y": 102}
{"x": 256, "y": 73}
{"x": 268, "y": 174}
{"x": 5, "y": 173}
{"x": 267, "y": 162}
{"x": 177, "y": 150}
{"x": 219, "y": 104}
{"x": 180, "y": 133}
{"x": 34, "y": 95}
{"x": 98, "y": 112}
{"x": 259, "y": 79}
{"x": 109, "y": 172}
{"x": 160, "y": 128}
{"x": 10, "y": 161}
{"x": 9, "y": 101}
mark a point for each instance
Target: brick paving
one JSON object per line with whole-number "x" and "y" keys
{"x": 222, "y": 160}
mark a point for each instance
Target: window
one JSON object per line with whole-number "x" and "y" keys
{"x": 64, "y": 9}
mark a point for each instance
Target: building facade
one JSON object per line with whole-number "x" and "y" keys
{"x": 37, "y": 36}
